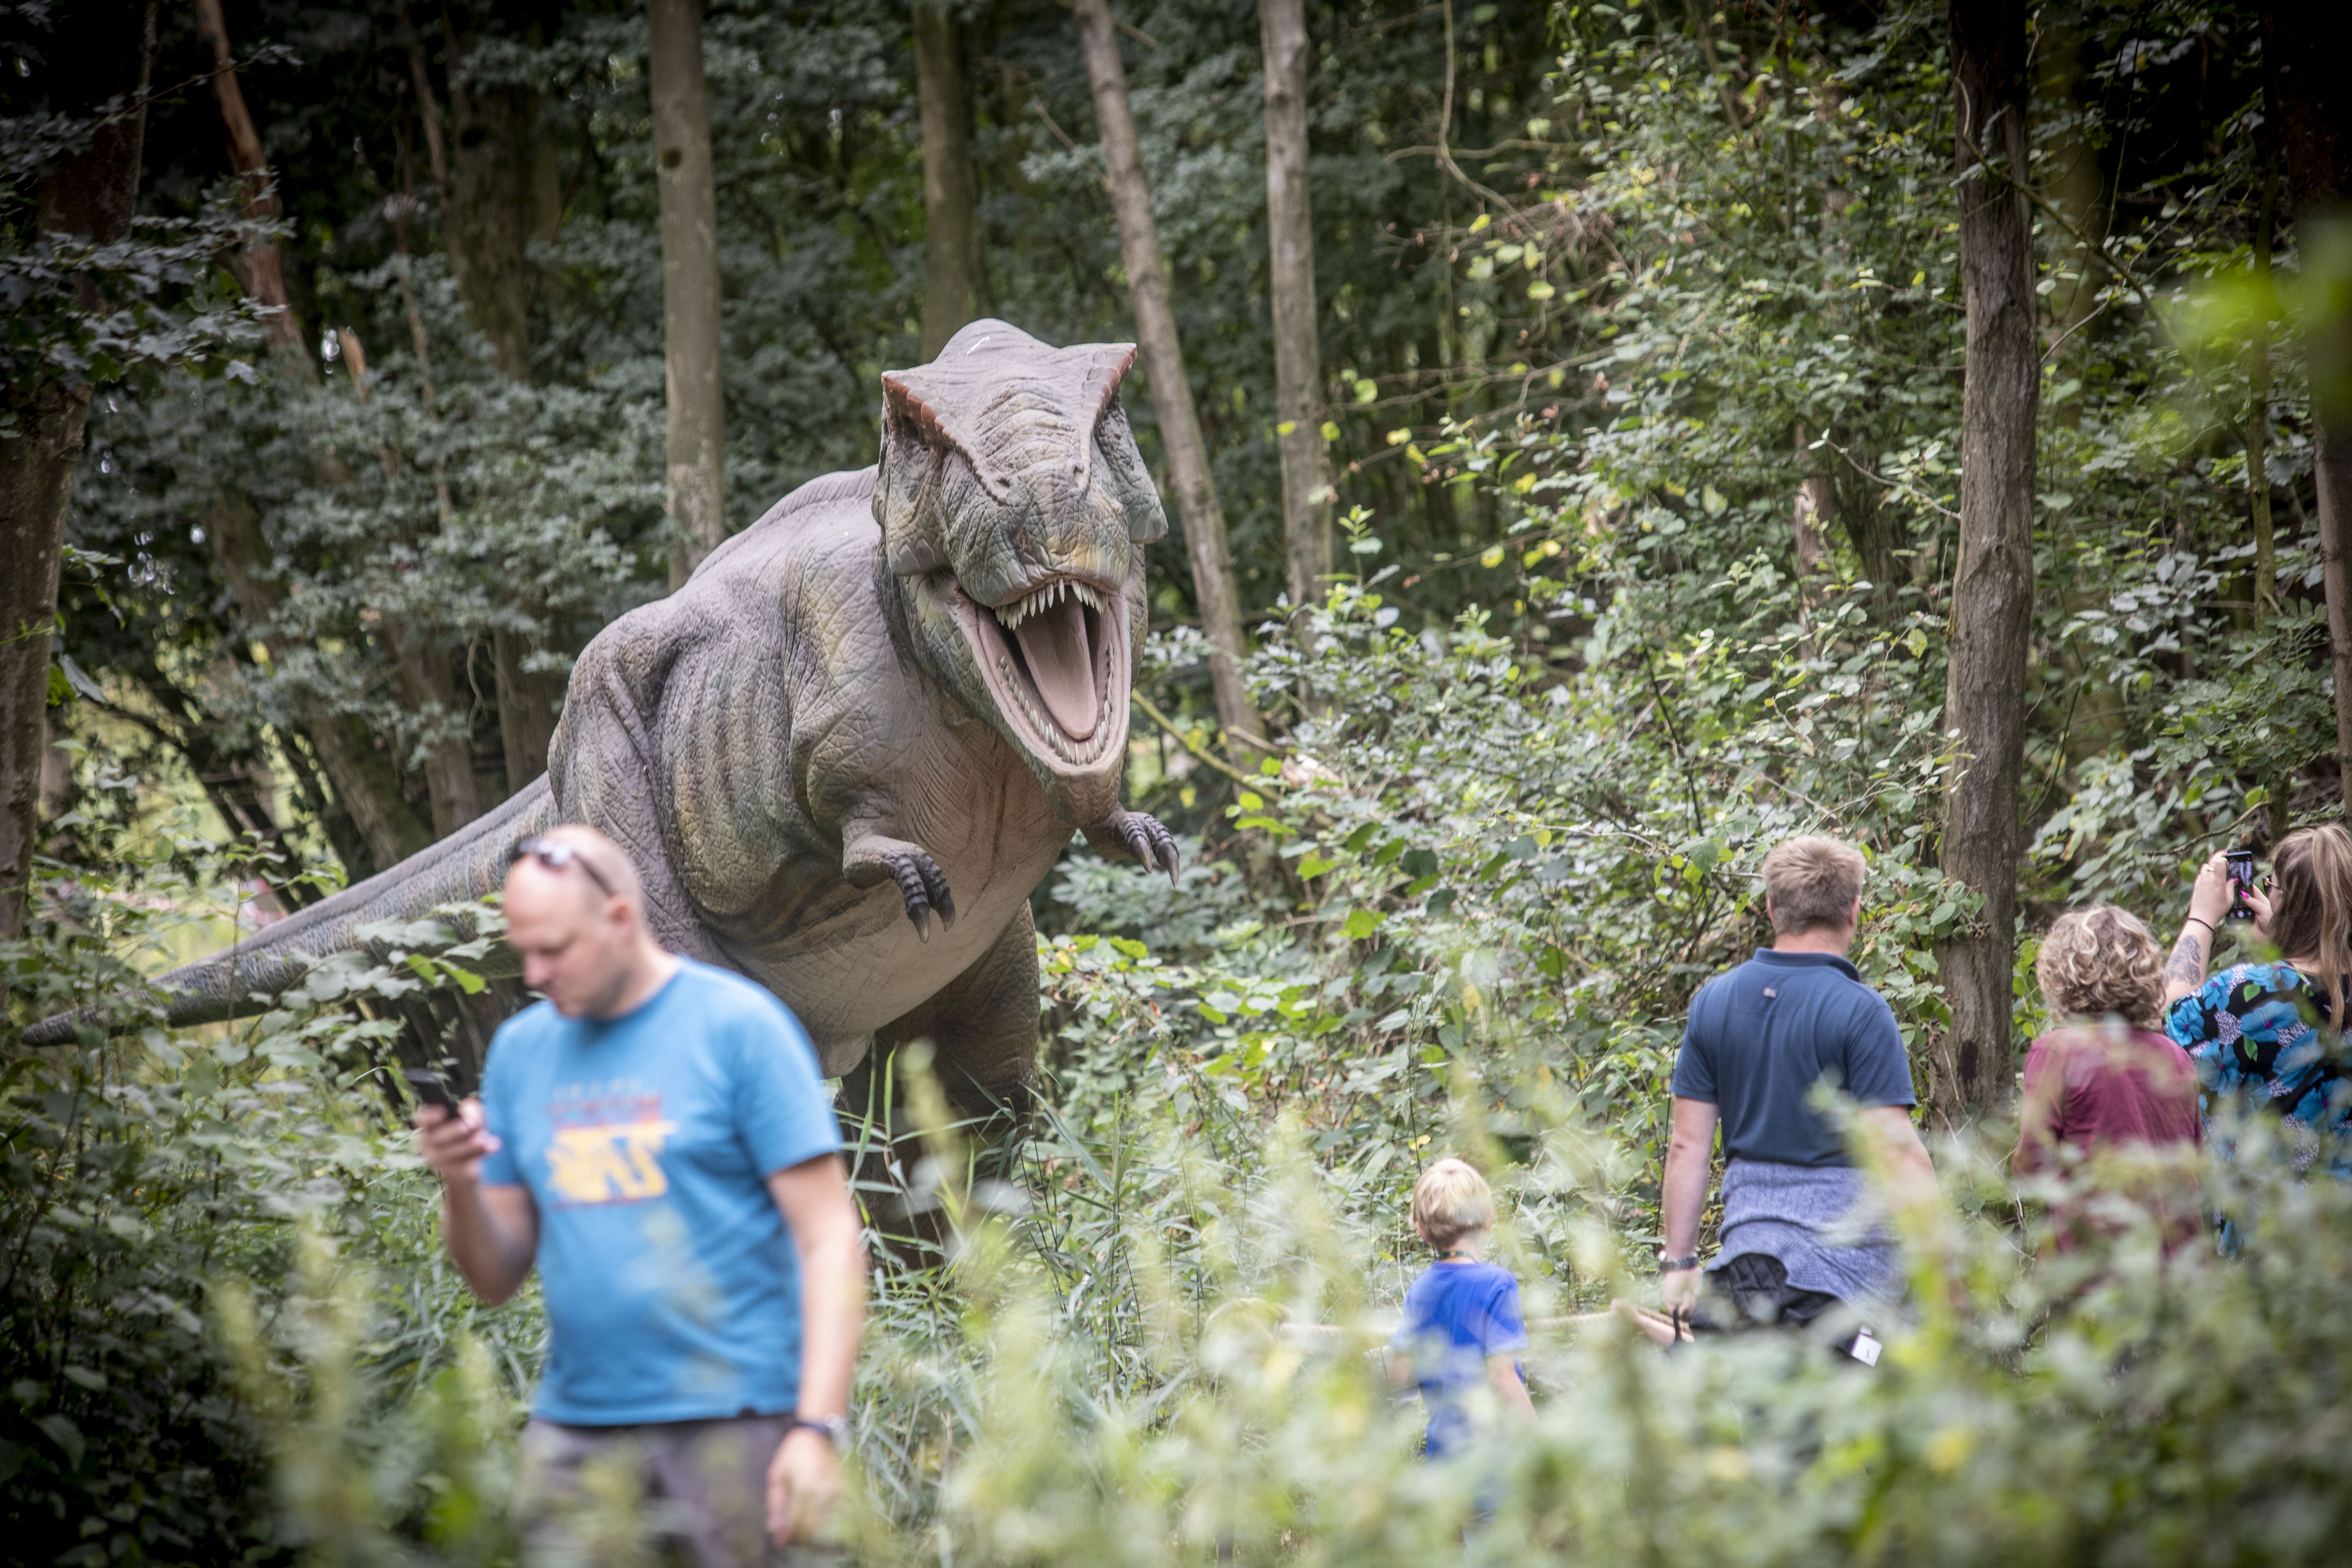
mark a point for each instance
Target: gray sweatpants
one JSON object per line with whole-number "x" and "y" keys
{"x": 686, "y": 1492}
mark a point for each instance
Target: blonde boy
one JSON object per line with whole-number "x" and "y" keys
{"x": 1462, "y": 1320}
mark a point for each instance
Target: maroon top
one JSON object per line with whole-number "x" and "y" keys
{"x": 2099, "y": 1085}
{"x": 2095, "y": 1086}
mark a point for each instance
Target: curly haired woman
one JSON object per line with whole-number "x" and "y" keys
{"x": 2104, "y": 1088}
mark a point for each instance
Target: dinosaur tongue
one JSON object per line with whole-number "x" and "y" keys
{"x": 1061, "y": 661}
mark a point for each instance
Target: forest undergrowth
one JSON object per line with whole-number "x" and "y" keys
{"x": 1153, "y": 1337}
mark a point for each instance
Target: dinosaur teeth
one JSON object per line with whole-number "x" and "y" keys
{"x": 1011, "y": 616}
{"x": 1040, "y": 722}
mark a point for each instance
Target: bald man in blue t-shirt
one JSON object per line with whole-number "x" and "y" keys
{"x": 654, "y": 1138}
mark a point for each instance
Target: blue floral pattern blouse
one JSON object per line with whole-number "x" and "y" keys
{"x": 2252, "y": 1031}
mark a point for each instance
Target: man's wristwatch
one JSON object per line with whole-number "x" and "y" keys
{"x": 1678, "y": 1265}
{"x": 835, "y": 1427}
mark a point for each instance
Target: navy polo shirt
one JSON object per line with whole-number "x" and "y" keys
{"x": 1762, "y": 1035}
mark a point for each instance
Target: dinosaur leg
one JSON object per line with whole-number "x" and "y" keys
{"x": 983, "y": 1026}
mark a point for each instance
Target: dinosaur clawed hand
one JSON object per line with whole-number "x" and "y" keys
{"x": 1147, "y": 841}
{"x": 920, "y": 882}
{"x": 924, "y": 886}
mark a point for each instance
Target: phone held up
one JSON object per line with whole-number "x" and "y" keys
{"x": 2242, "y": 881}
{"x": 430, "y": 1088}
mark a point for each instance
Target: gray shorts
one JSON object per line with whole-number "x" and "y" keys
{"x": 685, "y": 1491}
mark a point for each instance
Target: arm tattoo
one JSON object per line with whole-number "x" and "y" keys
{"x": 2187, "y": 961}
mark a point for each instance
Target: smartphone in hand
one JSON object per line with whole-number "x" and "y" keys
{"x": 430, "y": 1088}
{"x": 2242, "y": 881}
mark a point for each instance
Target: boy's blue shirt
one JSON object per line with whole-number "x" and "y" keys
{"x": 1455, "y": 1316}
{"x": 672, "y": 1288}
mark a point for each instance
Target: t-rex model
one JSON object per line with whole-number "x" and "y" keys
{"x": 882, "y": 707}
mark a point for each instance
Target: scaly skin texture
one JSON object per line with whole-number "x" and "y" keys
{"x": 845, "y": 754}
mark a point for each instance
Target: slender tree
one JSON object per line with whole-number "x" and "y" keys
{"x": 528, "y": 696}
{"x": 366, "y": 784}
{"x": 1204, "y": 520}
{"x": 689, "y": 244}
{"x": 501, "y": 192}
{"x": 261, "y": 266}
{"x": 955, "y": 285}
{"x": 97, "y": 65}
{"x": 1992, "y": 587}
{"x": 1298, "y": 351}
{"x": 2303, "y": 52}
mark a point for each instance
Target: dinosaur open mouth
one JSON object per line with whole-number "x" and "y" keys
{"x": 1052, "y": 660}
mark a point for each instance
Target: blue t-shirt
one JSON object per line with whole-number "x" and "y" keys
{"x": 1762, "y": 1035}
{"x": 672, "y": 1288}
{"x": 1455, "y": 1316}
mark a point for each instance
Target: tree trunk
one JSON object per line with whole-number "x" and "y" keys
{"x": 1813, "y": 515}
{"x": 527, "y": 701}
{"x": 1992, "y": 587}
{"x": 527, "y": 697}
{"x": 428, "y": 688}
{"x": 955, "y": 287}
{"x": 429, "y": 685}
{"x": 261, "y": 267}
{"x": 689, "y": 243}
{"x": 2077, "y": 187}
{"x": 98, "y": 50}
{"x": 2258, "y": 404}
{"x": 499, "y": 194}
{"x": 1213, "y": 584}
{"x": 1298, "y": 349}
{"x": 366, "y": 784}
{"x": 2303, "y": 55}
{"x": 37, "y": 469}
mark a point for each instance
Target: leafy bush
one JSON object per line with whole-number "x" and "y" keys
{"x": 139, "y": 1175}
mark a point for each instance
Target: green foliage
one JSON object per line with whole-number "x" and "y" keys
{"x": 140, "y": 1177}
{"x": 2118, "y": 1409}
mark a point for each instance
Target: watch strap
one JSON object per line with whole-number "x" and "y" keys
{"x": 835, "y": 1428}
{"x": 1678, "y": 1265}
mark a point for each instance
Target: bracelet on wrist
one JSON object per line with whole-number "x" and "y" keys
{"x": 1678, "y": 1265}
{"x": 2201, "y": 919}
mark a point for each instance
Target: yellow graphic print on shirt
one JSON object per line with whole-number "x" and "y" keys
{"x": 608, "y": 1152}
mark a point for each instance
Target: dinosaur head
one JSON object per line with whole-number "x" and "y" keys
{"x": 1015, "y": 509}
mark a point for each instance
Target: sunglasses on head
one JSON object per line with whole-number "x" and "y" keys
{"x": 555, "y": 855}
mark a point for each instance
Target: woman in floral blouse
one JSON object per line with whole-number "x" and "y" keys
{"x": 2264, "y": 1035}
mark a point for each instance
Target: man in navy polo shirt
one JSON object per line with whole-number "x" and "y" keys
{"x": 1798, "y": 1238}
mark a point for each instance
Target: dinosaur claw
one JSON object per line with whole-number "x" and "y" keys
{"x": 1153, "y": 847}
{"x": 923, "y": 888}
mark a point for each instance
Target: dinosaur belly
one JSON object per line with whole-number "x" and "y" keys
{"x": 847, "y": 961}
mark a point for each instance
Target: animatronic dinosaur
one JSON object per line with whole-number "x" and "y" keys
{"x": 886, "y": 702}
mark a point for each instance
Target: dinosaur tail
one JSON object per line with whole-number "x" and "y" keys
{"x": 467, "y": 863}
